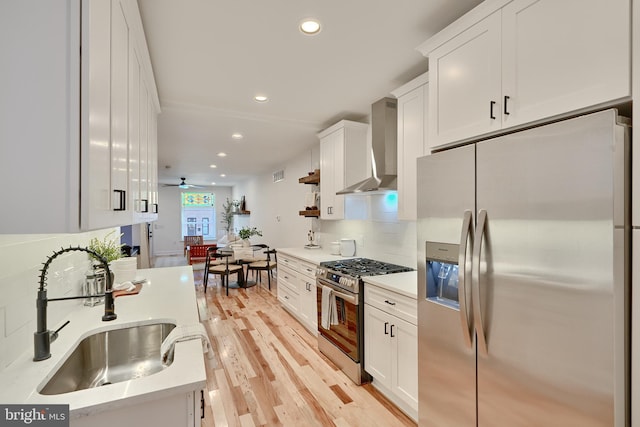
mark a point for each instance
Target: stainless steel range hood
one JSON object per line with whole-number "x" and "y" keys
{"x": 384, "y": 150}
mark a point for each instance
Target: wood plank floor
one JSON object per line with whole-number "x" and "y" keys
{"x": 268, "y": 370}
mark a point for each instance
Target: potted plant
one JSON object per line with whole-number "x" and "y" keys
{"x": 227, "y": 216}
{"x": 109, "y": 248}
{"x": 246, "y": 232}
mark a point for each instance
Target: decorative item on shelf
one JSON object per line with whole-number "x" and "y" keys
{"x": 311, "y": 205}
{"x": 312, "y": 178}
{"x": 235, "y": 206}
{"x": 246, "y": 232}
{"x": 243, "y": 204}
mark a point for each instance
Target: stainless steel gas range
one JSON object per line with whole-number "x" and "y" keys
{"x": 341, "y": 338}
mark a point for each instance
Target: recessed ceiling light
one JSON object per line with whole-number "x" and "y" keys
{"x": 213, "y": 183}
{"x": 213, "y": 166}
{"x": 310, "y": 26}
{"x": 221, "y": 154}
{"x": 237, "y": 136}
{"x": 223, "y": 175}
{"x": 260, "y": 98}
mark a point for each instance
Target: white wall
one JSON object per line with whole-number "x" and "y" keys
{"x": 22, "y": 258}
{"x": 167, "y": 230}
{"x": 274, "y": 206}
{"x": 372, "y": 219}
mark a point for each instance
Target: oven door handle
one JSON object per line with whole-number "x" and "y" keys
{"x": 353, "y": 299}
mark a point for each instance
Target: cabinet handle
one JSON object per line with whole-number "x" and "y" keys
{"x": 155, "y": 208}
{"x": 286, "y": 297}
{"x": 392, "y": 331}
{"x": 389, "y": 302}
{"x": 201, "y": 404}
{"x": 506, "y": 111}
{"x": 146, "y": 205}
{"x": 491, "y": 105}
{"x": 385, "y": 328}
{"x": 122, "y": 200}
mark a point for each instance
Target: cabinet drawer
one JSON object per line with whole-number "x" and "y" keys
{"x": 308, "y": 269}
{"x": 288, "y": 297}
{"x": 286, "y": 261}
{"x": 391, "y": 302}
{"x": 298, "y": 267}
{"x": 286, "y": 273}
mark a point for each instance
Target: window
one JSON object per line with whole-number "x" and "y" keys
{"x": 199, "y": 215}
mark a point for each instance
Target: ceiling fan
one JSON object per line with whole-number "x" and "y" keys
{"x": 182, "y": 184}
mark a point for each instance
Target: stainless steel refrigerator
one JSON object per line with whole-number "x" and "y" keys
{"x": 523, "y": 272}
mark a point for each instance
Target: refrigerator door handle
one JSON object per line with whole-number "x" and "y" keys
{"x": 465, "y": 237}
{"x": 475, "y": 283}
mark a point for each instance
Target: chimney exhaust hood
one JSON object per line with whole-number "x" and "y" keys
{"x": 384, "y": 150}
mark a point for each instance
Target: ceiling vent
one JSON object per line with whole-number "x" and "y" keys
{"x": 278, "y": 176}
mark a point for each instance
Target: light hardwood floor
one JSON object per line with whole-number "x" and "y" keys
{"x": 268, "y": 371}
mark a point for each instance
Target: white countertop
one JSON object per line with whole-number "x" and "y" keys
{"x": 403, "y": 283}
{"x": 315, "y": 256}
{"x": 168, "y": 295}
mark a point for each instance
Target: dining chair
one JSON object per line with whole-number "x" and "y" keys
{"x": 266, "y": 264}
{"x": 218, "y": 263}
{"x": 192, "y": 240}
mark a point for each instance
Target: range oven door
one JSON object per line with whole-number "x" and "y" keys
{"x": 344, "y": 334}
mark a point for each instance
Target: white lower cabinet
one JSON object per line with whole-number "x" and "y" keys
{"x": 391, "y": 347}
{"x": 297, "y": 290}
{"x": 185, "y": 409}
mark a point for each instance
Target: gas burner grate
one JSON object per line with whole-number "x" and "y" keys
{"x": 359, "y": 267}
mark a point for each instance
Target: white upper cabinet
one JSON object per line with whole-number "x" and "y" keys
{"x": 510, "y": 63}
{"x": 65, "y": 114}
{"x": 343, "y": 161}
{"x": 548, "y": 61}
{"x": 465, "y": 84}
{"x": 412, "y": 141}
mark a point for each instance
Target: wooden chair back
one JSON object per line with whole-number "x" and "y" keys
{"x": 198, "y": 253}
{"x": 192, "y": 240}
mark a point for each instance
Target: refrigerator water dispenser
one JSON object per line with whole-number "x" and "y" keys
{"x": 442, "y": 273}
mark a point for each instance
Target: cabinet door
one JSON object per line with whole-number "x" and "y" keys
{"x": 153, "y": 164}
{"x": 308, "y": 304}
{"x": 411, "y": 145}
{"x": 377, "y": 350}
{"x": 119, "y": 111}
{"x": 134, "y": 132}
{"x": 465, "y": 84}
{"x": 144, "y": 156}
{"x": 562, "y": 56}
{"x": 404, "y": 344}
{"x": 96, "y": 131}
{"x": 332, "y": 169}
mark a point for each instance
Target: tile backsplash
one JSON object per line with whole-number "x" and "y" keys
{"x": 22, "y": 257}
{"x": 372, "y": 221}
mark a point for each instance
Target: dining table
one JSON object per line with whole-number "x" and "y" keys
{"x": 243, "y": 255}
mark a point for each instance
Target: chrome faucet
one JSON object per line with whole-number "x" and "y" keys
{"x": 43, "y": 337}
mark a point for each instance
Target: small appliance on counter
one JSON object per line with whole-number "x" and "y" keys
{"x": 347, "y": 247}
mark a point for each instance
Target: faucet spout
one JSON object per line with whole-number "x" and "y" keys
{"x": 43, "y": 337}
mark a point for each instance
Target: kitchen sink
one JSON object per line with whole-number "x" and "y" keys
{"x": 110, "y": 357}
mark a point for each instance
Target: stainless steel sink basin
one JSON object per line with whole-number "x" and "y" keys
{"x": 111, "y": 357}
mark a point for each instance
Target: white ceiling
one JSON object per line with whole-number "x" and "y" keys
{"x": 211, "y": 57}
